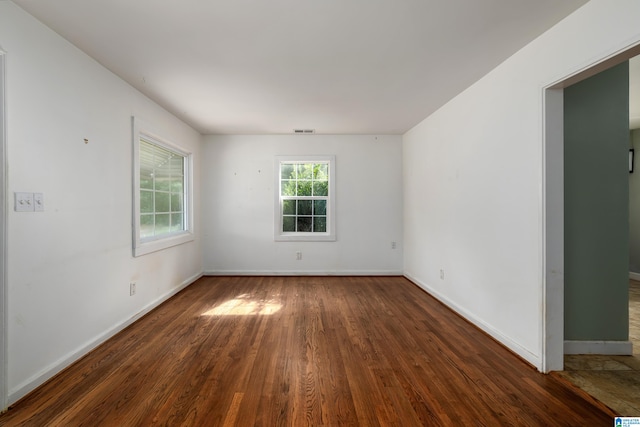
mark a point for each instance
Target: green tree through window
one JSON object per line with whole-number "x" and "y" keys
{"x": 162, "y": 191}
{"x": 304, "y": 190}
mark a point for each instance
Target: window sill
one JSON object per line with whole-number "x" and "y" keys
{"x": 305, "y": 237}
{"x": 143, "y": 248}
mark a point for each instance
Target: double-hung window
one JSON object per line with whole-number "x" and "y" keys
{"x": 162, "y": 193}
{"x": 305, "y": 208}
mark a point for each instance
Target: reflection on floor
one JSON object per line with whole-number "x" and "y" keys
{"x": 613, "y": 380}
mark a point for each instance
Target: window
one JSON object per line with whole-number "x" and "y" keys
{"x": 162, "y": 198}
{"x": 305, "y": 198}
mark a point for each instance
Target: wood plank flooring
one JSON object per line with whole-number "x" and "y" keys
{"x": 298, "y": 351}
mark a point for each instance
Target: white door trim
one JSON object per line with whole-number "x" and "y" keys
{"x": 3, "y": 238}
{"x": 552, "y": 342}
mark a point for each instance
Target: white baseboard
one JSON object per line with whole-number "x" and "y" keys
{"x": 618, "y": 348}
{"x": 303, "y": 273}
{"x": 50, "y": 371}
{"x": 521, "y": 351}
{"x": 634, "y": 276}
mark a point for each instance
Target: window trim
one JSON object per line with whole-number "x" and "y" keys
{"x": 330, "y": 234}
{"x": 145, "y": 246}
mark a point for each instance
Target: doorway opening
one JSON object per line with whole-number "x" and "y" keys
{"x": 554, "y": 209}
{"x": 555, "y": 269}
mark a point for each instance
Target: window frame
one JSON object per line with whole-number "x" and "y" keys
{"x": 143, "y": 246}
{"x": 330, "y": 234}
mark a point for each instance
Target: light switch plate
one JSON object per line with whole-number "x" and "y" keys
{"x": 23, "y": 202}
{"x": 38, "y": 202}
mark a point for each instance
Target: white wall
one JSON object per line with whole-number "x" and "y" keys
{"x": 69, "y": 267}
{"x": 238, "y": 205}
{"x": 473, "y": 180}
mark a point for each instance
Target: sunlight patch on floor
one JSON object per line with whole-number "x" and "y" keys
{"x": 244, "y": 305}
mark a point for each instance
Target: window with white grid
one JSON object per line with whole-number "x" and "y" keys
{"x": 162, "y": 190}
{"x": 162, "y": 197}
{"x": 305, "y": 203}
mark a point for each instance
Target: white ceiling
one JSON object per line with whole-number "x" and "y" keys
{"x": 336, "y": 66}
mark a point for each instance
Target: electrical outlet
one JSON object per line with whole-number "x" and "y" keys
{"x": 441, "y": 274}
{"x": 132, "y": 288}
{"x": 393, "y": 245}
{"x": 298, "y": 256}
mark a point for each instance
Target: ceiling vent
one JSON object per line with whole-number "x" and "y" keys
{"x": 305, "y": 131}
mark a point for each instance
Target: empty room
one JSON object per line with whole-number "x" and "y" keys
{"x": 310, "y": 212}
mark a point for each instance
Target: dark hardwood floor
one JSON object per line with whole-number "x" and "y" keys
{"x": 296, "y": 351}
